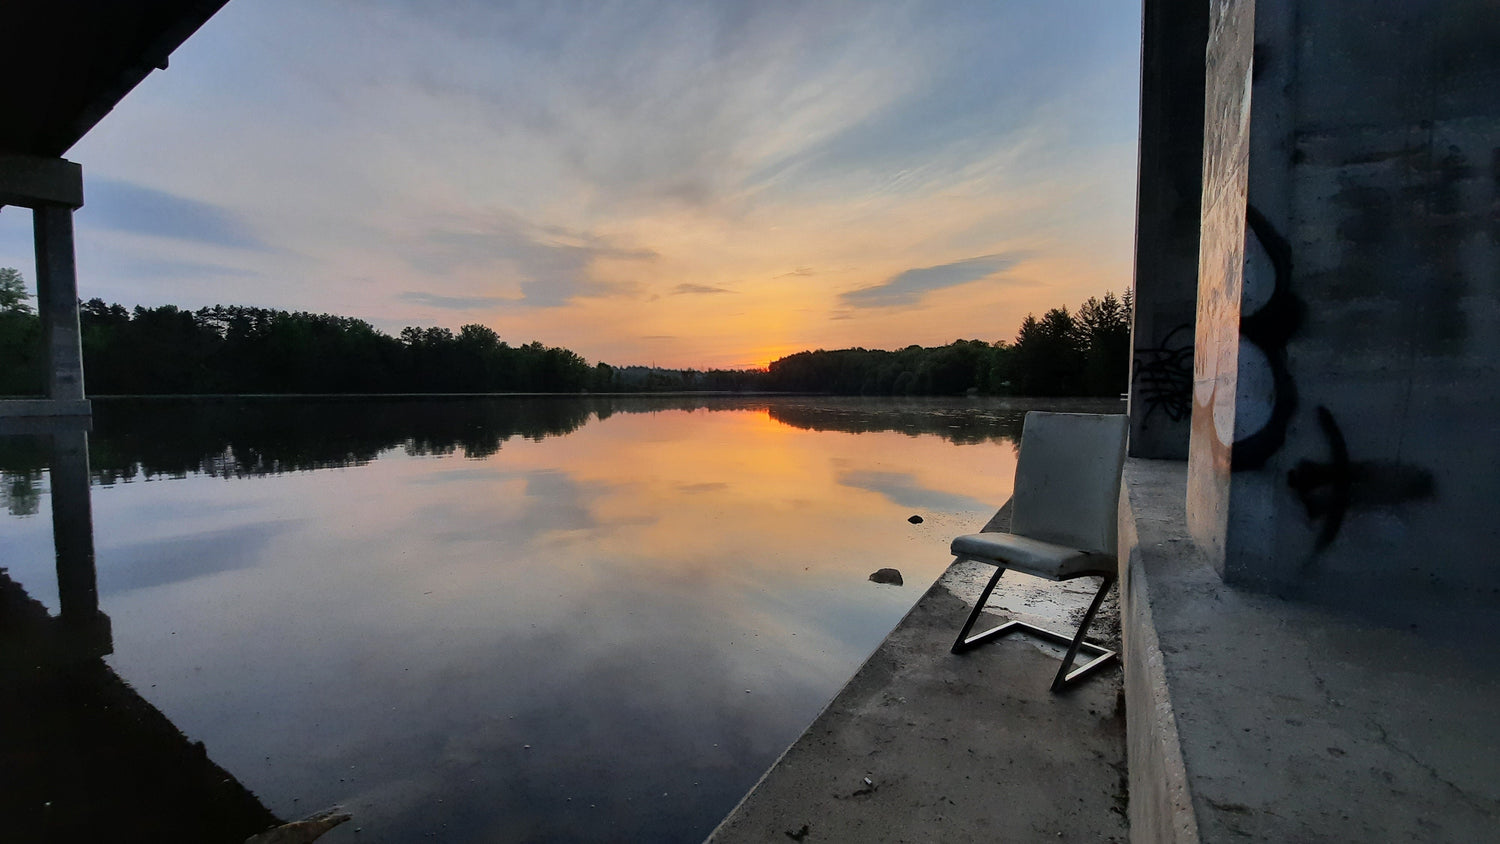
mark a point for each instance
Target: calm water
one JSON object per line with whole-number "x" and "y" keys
{"x": 519, "y": 619}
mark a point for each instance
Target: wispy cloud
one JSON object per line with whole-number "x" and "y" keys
{"x": 127, "y": 207}
{"x": 452, "y": 303}
{"x": 552, "y": 266}
{"x": 907, "y": 288}
{"x": 471, "y": 159}
{"x": 161, "y": 269}
{"x": 699, "y": 288}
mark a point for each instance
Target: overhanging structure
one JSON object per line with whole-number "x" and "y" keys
{"x": 69, "y": 62}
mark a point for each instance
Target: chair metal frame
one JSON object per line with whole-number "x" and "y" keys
{"x": 1062, "y": 527}
{"x": 1101, "y": 656}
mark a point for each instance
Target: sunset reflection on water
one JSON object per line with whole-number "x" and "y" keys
{"x": 609, "y": 632}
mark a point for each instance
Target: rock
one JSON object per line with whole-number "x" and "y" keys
{"x": 891, "y": 576}
{"x": 916, "y": 520}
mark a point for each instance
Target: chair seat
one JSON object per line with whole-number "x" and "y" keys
{"x": 1032, "y": 556}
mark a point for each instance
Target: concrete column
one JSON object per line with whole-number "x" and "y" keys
{"x": 1226, "y": 152}
{"x": 1347, "y": 370}
{"x": 57, "y": 302}
{"x": 1173, "y": 42}
{"x": 52, "y": 188}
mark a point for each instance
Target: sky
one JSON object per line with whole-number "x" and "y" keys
{"x": 684, "y": 184}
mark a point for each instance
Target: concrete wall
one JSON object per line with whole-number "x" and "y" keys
{"x": 1348, "y": 377}
{"x": 1173, "y": 38}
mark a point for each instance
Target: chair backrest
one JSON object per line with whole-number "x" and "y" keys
{"x": 1068, "y": 479}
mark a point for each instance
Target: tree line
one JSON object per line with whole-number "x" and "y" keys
{"x": 239, "y": 350}
{"x": 1061, "y": 354}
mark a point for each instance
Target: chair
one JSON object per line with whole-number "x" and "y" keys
{"x": 1062, "y": 524}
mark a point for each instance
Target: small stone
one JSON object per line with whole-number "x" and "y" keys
{"x": 889, "y": 576}
{"x": 914, "y": 519}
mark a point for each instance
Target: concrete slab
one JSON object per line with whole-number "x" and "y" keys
{"x": 1296, "y": 722}
{"x": 925, "y": 746}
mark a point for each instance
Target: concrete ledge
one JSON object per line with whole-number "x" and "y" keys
{"x": 1292, "y": 722}
{"x": 922, "y": 745}
{"x": 1161, "y": 807}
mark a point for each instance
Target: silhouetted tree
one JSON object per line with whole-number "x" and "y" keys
{"x": 1104, "y": 328}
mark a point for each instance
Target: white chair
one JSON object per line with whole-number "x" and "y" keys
{"x": 1064, "y": 509}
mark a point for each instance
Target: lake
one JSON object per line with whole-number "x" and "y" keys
{"x": 513, "y": 618}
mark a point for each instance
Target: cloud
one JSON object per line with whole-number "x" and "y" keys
{"x": 908, "y": 287}
{"x": 902, "y": 488}
{"x": 127, "y": 207}
{"x": 699, "y": 288}
{"x": 452, "y": 303}
{"x": 552, "y": 265}
{"x": 800, "y": 271}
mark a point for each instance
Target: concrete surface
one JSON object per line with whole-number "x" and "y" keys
{"x": 1161, "y": 808}
{"x": 1174, "y": 38}
{"x": 1348, "y": 330}
{"x": 1295, "y": 722}
{"x": 925, "y": 746}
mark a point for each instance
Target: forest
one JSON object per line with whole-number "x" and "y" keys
{"x": 229, "y": 349}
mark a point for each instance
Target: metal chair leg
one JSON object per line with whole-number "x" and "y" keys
{"x": 1065, "y": 676}
{"x": 964, "y": 643}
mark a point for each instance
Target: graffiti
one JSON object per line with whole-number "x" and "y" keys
{"x": 1329, "y": 490}
{"x": 1164, "y": 375}
{"x": 1323, "y": 488}
{"x": 1269, "y": 328}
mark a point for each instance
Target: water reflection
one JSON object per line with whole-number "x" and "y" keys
{"x": 144, "y": 439}
{"x": 510, "y": 620}
{"x": 86, "y": 758}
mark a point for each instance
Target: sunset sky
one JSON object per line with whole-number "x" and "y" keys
{"x": 684, "y": 184}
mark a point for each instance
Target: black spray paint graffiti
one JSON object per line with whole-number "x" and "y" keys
{"x": 1329, "y": 490}
{"x": 1269, "y": 328}
{"x": 1164, "y": 375}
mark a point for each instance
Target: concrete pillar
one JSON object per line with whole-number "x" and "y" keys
{"x": 57, "y": 302}
{"x": 1174, "y": 38}
{"x": 1226, "y": 152}
{"x": 1347, "y": 372}
{"x": 52, "y": 188}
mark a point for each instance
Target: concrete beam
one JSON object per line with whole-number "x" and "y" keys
{"x": 33, "y": 181}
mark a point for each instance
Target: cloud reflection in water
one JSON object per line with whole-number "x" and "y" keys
{"x": 395, "y": 632}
